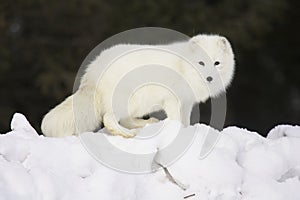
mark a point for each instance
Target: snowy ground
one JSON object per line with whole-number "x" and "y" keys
{"x": 243, "y": 165}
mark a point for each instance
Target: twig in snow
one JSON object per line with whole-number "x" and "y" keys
{"x": 188, "y": 196}
{"x": 172, "y": 179}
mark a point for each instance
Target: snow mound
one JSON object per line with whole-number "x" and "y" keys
{"x": 242, "y": 165}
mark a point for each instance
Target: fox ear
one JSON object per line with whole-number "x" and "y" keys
{"x": 223, "y": 43}
{"x": 193, "y": 40}
{"x": 193, "y": 43}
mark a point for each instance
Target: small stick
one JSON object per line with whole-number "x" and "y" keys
{"x": 188, "y": 196}
{"x": 171, "y": 178}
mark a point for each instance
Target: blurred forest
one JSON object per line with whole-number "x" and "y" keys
{"x": 43, "y": 43}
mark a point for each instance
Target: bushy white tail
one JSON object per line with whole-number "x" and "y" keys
{"x": 76, "y": 114}
{"x": 60, "y": 121}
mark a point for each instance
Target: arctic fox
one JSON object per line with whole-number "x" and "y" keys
{"x": 91, "y": 104}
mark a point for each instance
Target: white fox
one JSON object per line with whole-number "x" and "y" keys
{"x": 90, "y": 105}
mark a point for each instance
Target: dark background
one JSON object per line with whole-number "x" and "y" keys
{"x": 42, "y": 44}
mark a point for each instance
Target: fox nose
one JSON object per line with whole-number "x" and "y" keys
{"x": 209, "y": 79}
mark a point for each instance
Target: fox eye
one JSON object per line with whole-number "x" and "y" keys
{"x": 217, "y": 63}
{"x": 201, "y": 63}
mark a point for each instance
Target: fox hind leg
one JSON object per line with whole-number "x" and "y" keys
{"x": 113, "y": 126}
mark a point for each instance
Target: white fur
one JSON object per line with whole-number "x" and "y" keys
{"x": 92, "y": 102}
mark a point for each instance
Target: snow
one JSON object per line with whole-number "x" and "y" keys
{"x": 242, "y": 165}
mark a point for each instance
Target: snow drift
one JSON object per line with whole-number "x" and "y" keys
{"x": 243, "y": 165}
